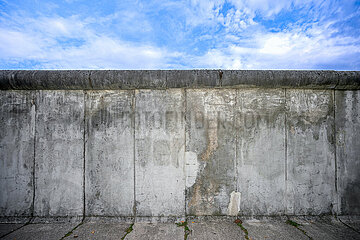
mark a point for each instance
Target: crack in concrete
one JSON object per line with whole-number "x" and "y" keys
{"x": 246, "y": 232}
{"x": 27, "y": 223}
{"x": 72, "y": 230}
{"x": 128, "y": 231}
{"x": 347, "y": 225}
{"x": 187, "y": 230}
{"x": 297, "y": 226}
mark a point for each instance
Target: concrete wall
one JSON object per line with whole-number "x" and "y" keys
{"x": 179, "y": 143}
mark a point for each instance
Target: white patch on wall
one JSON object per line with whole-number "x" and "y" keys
{"x": 191, "y": 168}
{"x": 234, "y": 205}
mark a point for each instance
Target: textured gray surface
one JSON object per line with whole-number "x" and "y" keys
{"x": 59, "y": 153}
{"x": 325, "y": 228}
{"x": 99, "y": 230}
{"x": 17, "y": 122}
{"x": 272, "y": 228}
{"x": 109, "y": 170}
{"x": 261, "y": 151}
{"x": 348, "y": 150}
{"x": 156, "y": 231}
{"x": 281, "y": 78}
{"x": 41, "y": 231}
{"x": 212, "y": 230}
{"x": 128, "y": 79}
{"x": 159, "y": 156}
{"x": 351, "y": 221}
{"x": 207, "y": 228}
{"x": 176, "y": 152}
{"x": 44, "y": 80}
{"x": 160, "y": 79}
{"x": 310, "y": 152}
{"x": 6, "y": 228}
{"x": 210, "y": 149}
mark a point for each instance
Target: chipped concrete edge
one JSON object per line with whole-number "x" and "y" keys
{"x": 163, "y": 79}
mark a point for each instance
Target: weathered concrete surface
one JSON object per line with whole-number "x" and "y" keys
{"x": 282, "y": 78}
{"x": 310, "y": 152}
{"x": 161, "y": 79}
{"x": 59, "y": 153}
{"x": 272, "y": 228}
{"x": 211, "y": 230}
{"x": 244, "y": 151}
{"x": 109, "y": 165}
{"x": 210, "y": 148}
{"x": 193, "y": 78}
{"x": 46, "y": 79}
{"x": 198, "y": 228}
{"x": 156, "y": 231}
{"x": 99, "y": 230}
{"x": 348, "y": 80}
{"x": 348, "y": 150}
{"x": 126, "y": 79}
{"x": 6, "y": 228}
{"x": 261, "y": 151}
{"x": 325, "y": 228}
{"x": 351, "y": 221}
{"x": 41, "y": 231}
{"x": 159, "y": 153}
{"x": 153, "y": 79}
{"x": 17, "y": 122}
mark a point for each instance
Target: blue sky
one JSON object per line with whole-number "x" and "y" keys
{"x": 188, "y": 34}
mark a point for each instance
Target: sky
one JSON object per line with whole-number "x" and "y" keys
{"x": 180, "y": 34}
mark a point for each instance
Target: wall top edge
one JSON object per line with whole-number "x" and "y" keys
{"x": 163, "y": 79}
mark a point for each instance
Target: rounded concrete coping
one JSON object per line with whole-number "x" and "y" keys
{"x": 163, "y": 79}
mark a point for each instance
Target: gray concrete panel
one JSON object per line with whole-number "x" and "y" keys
{"x": 17, "y": 122}
{"x": 109, "y": 165}
{"x": 310, "y": 152}
{"x": 348, "y": 150}
{"x": 210, "y": 152}
{"x": 59, "y": 153}
{"x": 261, "y": 151}
{"x": 159, "y": 153}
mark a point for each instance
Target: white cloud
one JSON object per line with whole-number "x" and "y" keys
{"x": 278, "y": 44}
{"x": 14, "y": 44}
{"x": 235, "y": 40}
{"x": 295, "y": 49}
{"x": 38, "y": 40}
